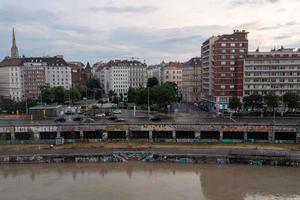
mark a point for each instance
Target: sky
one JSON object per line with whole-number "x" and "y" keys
{"x": 150, "y": 30}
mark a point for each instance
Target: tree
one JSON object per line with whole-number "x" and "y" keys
{"x": 152, "y": 82}
{"x": 111, "y": 95}
{"x": 272, "y": 101}
{"x": 234, "y": 103}
{"x": 73, "y": 94}
{"x": 59, "y": 94}
{"x": 253, "y": 101}
{"x": 93, "y": 83}
{"x": 291, "y": 100}
{"x": 8, "y": 105}
{"x": 131, "y": 95}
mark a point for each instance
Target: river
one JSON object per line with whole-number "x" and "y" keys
{"x": 145, "y": 181}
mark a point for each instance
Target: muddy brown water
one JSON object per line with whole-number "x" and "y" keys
{"x": 148, "y": 181}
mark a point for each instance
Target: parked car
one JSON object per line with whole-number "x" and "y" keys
{"x": 88, "y": 120}
{"x": 100, "y": 115}
{"x": 60, "y": 119}
{"x": 155, "y": 119}
{"x": 119, "y": 120}
{"x": 117, "y": 111}
{"x": 112, "y": 118}
{"x": 77, "y": 118}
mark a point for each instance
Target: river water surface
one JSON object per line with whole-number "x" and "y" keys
{"x": 145, "y": 181}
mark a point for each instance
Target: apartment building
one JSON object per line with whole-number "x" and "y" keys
{"x": 223, "y": 61}
{"x": 23, "y": 77}
{"x": 192, "y": 81}
{"x": 276, "y": 71}
{"x": 172, "y": 72}
{"x": 120, "y": 75}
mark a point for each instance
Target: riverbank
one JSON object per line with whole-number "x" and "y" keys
{"x": 262, "y": 154}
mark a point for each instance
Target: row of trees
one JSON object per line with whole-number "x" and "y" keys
{"x": 60, "y": 95}
{"x": 271, "y": 101}
{"x": 11, "y": 106}
{"x": 160, "y": 95}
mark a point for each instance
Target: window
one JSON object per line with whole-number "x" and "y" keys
{"x": 232, "y": 44}
{"x": 223, "y": 44}
{"x": 223, "y": 63}
{"x": 222, "y": 86}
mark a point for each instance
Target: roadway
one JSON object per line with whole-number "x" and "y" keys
{"x": 185, "y": 115}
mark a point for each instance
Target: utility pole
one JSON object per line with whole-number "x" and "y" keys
{"x": 148, "y": 104}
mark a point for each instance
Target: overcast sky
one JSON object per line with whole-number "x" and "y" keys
{"x": 154, "y": 30}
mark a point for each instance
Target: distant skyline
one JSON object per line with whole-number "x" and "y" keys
{"x": 153, "y": 30}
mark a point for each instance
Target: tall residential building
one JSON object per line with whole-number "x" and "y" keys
{"x": 14, "y": 48}
{"x": 223, "y": 59}
{"x": 120, "y": 75}
{"x": 192, "y": 80}
{"x": 172, "y": 72}
{"x": 23, "y": 77}
{"x": 276, "y": 71}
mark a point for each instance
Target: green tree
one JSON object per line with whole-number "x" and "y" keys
{"x": 59, "y": 94}
{"x": 131, "y": 95}
{"x": 272, "y": 101}
{"x": 111, "y": 95}
{"x": 73, "y": 94}
{"x": 253, "y": 101}
{"x": 234, "y": 103}
{"x": 8, "y": 105}
{"x": 291, "y": 100}
{"x": 152, "y": 82}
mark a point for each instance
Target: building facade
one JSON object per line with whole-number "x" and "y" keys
{"x": 223, "y": 61}
{"x": 277, "y": 72}
{"x": 80, "y": 73}
{"x": 120, "y": 75}
{"x": 192, "y": 81}
{"x": 23, "y": 77}
{"x": 172, "y": 72}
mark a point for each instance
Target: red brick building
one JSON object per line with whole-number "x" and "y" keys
{"x": 223, "y": 68}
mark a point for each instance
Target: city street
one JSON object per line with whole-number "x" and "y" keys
{"x": 186, "y": 114}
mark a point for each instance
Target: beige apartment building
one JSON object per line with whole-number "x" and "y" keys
{"x": 277, "y": 71}
{"x": 172, "y": 72}
{"x": 192, "y": 81}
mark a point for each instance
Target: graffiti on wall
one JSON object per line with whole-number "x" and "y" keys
{"x": 247, "y": 128}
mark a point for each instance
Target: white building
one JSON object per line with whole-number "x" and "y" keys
{"x": 155, "y": 71}
{"x": 11, "y": 79}
{"x": 277, "y": 71}
{"x": 18, "y": 79}
{"x": 120, "y": 75}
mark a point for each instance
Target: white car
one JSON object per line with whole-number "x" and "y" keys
{"x": 100, "y": 115}
{"x": 117, "y": 111}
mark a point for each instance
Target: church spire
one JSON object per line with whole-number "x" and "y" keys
{"x": 14, "y": 48}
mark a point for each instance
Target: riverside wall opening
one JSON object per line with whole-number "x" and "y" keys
{"x": 205, "y": 133}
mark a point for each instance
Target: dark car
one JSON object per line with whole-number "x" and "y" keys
{"x": 60, "y": 119}
{"x": 119, "y": 120}
{"x": 77, "y": 119}
{"x": 112, "y": 118}
{"x": 155, "y": 119}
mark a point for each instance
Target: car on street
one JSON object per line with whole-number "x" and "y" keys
{"x": 60, "y": 119}
{"x": 112, "y": 118}
{"x": 155, "y": 119}
{"x": 87, "y": 120}
{"x": 77, "y": 118}
{"x": 100, "y": 115}
{"x": 117, "y": 111}
{"x": 120, "y": 120}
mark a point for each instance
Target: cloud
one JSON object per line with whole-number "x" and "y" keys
{"x": 127, "y": 9}
{"x": 245, "y": 2}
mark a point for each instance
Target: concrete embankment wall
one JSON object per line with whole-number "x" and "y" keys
{"x": 70, "y": 133}
{"x": 247, "y": 157}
